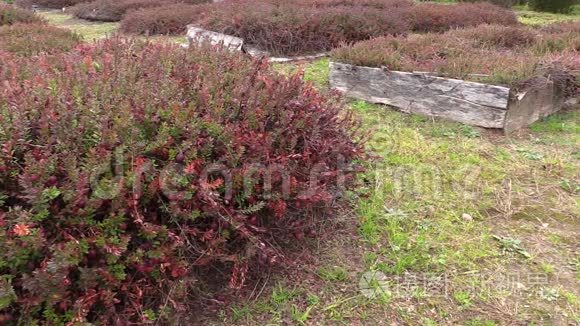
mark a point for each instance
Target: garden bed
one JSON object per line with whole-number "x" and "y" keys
{"x": 490, "y": 76}
{"x": 484, "y": 105}
{"x": 309, "y": 27}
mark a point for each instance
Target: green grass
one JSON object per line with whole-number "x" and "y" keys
{"x": 91, "y": 31}
{"x": 561, "y": 123}
{"x": 437, "y": 177}
{"x": 88, "y": 30}
{"x": 480, "y": 322}
{"x": 534, "y": 18}
{"x": 316, "y": 72}
{"x": 333, "y": 274}
{"x": 281, "y": 295}
{"x": 462, "y": 298}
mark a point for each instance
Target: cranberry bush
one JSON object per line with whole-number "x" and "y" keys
{"x": 379, "y": 4}
{"x": 300, "y": 27}
{"x": 115, "y": 10}
{"x": 33, "y": 39}
{"x": 502, "y": 3}
{"x": 166, "y": 20}
{"x": 436, "y": 17}
{"x": 295, "y": 27}
{"x": 10, "y": 14}
{"x": 129, "y": 168}
{"x": 572, "y": 26}
{"x": 112, "y": 10}
{"x": 54, "y": 4}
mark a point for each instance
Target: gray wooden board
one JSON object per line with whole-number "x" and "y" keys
{"x": 540, "y": 100}
{"x": 196, "y": 35}
{"x": 468, "y": 102}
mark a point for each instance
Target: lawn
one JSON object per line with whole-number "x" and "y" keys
{"x": 91, "y": 31}
{"x": 88, "y": 30}
{"x": 451, "y": 225}
{"x": 534, "y": 18}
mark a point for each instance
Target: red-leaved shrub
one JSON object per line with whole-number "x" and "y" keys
{"x": 291, "y": 28}
{"x": 311, "y": 26}
{"x": 502, "y": 3}
{"x": 112, "y": 10}
{"x": 32, "y": 39}
{"x": 54, "y": 4}
{"x": 572, "y": 26}
{"x": 128, "y": 169}
{"x": 560, "y": 36}
{"x": 170, "y": 19}
{"x": 11, "y": 15}
{"x": 434, "y": 17}
{"x": 380, "y": 4}
{"x": 115, "y": 10}
{"x": 497, "y": 36}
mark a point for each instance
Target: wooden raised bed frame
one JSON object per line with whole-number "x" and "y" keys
{"x": 468, "y": 102}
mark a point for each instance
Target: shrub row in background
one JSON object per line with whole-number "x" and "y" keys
{"x": 114, "y": 10}
{"x": 167, "y": 20}
{"x": 309, "y": 26}
{"x": 434, "y": 17}
{"x": 54, "y": 4}
{"x": 379, "y": 4}
{"x": 502, "y": 54}
{"x": 293, "y": 28}
{"x": 115, "y": 165}
{"x": 285, "y": 28}
{"x": 33, "y": 39}
{"x": 562, "y": 27}
{"x": 502, "y": 3}
{"x": 173, "y": 19}
{"x": 10, "y": 14}
{"x": 111, "y": 10}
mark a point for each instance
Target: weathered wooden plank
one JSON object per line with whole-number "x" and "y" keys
{"x": 255, "y": 52}
{"x": 196, "y": 35}
{"x": 463, "y": 101}
{"x": 538, "y": 101}
{"x": 298, "y": 58}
